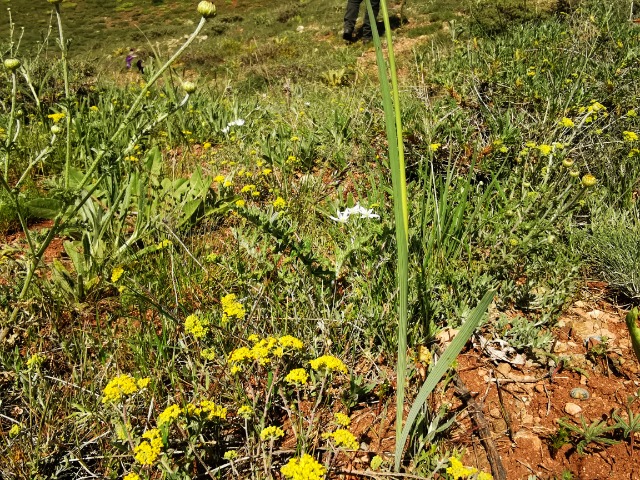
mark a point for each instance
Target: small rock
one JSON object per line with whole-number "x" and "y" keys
{"x": 495, "y": 413}
{"x": 572, "y": 409}
{"x": 539, "y": 388}
{"x": 364, "y": 446}
{"x": 527, "y": 419}
{"x": 504, "y": 369}
{"x": 560, "y": 347}
{"x": 583, "y": 380}
{"x": 595, "y": 313}
{"x": 579, "y": 393}
{"x": 528, "y": 441}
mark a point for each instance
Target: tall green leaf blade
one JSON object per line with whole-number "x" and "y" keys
{"x": 439, "y": 370}
{"x": 393, "y": 125}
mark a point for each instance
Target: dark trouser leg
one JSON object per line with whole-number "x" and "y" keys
{"x": 351, "y": 15}
{"x": 366, "y": 29}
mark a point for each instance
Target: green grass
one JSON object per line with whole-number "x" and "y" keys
{"x": 189, "y": 206}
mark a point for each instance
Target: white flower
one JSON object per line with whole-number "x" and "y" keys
{"x": 300, "y": 29}
{"x": 343, "y": 216}
{"x": 225, "y": 130}
{"x": 236, "y": 123}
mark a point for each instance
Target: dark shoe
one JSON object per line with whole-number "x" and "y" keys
{"x": 348, "y": 35}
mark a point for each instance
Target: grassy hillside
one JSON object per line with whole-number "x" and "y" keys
{"x": 197, "y": 269}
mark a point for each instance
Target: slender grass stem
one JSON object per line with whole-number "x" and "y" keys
{"x": 67, "y": 96}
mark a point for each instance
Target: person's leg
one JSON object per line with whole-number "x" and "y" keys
{"x": 366, "y": 29}
{"x": 350, "y": 17}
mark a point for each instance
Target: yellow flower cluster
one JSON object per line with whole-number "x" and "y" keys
{"x": 230, "y": 455}
{"x": 131, "y": 476}
{"x": 56, "y": 117}
{"x": 207, "y": 409}
{"x": 271, "y": 433}
{"x": 15, "y": 430}
{"x": 297, "y": 376}
{"x": 343, "y": 438}
{"x": 328, "y": 363}
{"x": 35, "y": 361}
{"x": 195, "y": 326}
{"x": 121, "y": 386}
{"x": 457, "y": 470}
{"x": 169, "y": 415}
{"x": 150, "y": 448}
{"x": 245, "y": 411}
{"x": 262, "y": 351}
{"x": 484, "y": 476}
{"x": 567, "y": 122}
{"x": 342, "y": 419}
{"x": 303, "y": 468}
{"x": 231, "y": 308}
{"x": 630, "y": 136}
{"x": 279, "y": 203}
{"x": 116, "y": 274}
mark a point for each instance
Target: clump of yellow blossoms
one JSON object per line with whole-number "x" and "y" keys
{"x": 170, "y": 415}
{"x": 271, "y": 433}
{"x": 245, "y": 411}
{"x": 56, "y": 117}
{"x": 15, "y": 430}
{"x": 150, "y": 448}
{"x": 343, "y": 438}
{"x": 121, "y": 386}
{"x": 279, "y": 203}
{"x": 231, "y": 308}
{"x": 263, "y": 351}
{"x": 131, "y": 476}
{"x": 297, "y": 376}
{"x": 116, "y": 274}
{"x": 207, "y": 409}
{"x": 195, "y": 326}
{"x": 567, "y": 122}
{"x": 230, "y": 455}
{"x": 342, "y": 419}
{"x": 35, "y": 361}
{"x": 457, "y": 470}
{"x": 328, "y": 363}
{"x": 630, "y": 136}
{"x": 304, "y": 468}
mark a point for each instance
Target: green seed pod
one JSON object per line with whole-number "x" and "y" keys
{"x": 11, "y": 64}
{"x": 205, "y": 8}
{"x": 189, "y": 87}
{"x": 589, "y": 180}
{"x": 56, "y": 129}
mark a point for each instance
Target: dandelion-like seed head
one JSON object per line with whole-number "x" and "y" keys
{"x": 206, "y": 9}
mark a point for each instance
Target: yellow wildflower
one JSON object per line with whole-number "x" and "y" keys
{"x": 484, "y": 476}
{"x": 435, "y": 146}
{"x": 35, "y": 361}
{"x": 303, "y": 468}
{"x": 630, "y": 136}
{"x": 245, "y": 411}
{"x": 457, "y": 470}
{"x": 206, "y": 145}
{"x": 241, "y": 354}
{"x": 93, "y": 108}
{"x": 266, "y": 171}
{"x": 56, "y": 117}
{"x": 342, "y": 419}
{"x": 567, "y": 122}
{"x": 545, "y": 149}
{"x": 169, "y": 415}
{"x": 343, "y": 438}
{"x": 143, "y": 382}
{"x": 240, "y": 203}
{"x": 208, "y": 354}
{"x": 230, "y": 455}
{"x": 271, "y": 433}
{"x": 231, "y": 308}
{"x": 131, "y": 476}
{"x": 297, "y": 376}
{"x": 195, "y": 326}
{"x": 15, "y": 430}
{"x": 288, "y": 341}
{"x": 150, "y": 448}
{"x": 328, "y": 363}
{"x": 116, "y": 274}
{"x": 279, "y": 203}
{"x": 219, "y": 178}
{"x": 589, "y": 180}
{"x": 227, "y": 183}
{"x": 213, "y": 411}
{"x": 120, "y": 386}
{"x": 376, "y": 462}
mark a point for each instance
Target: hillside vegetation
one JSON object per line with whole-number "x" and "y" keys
{"x": 198, "y": 264}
